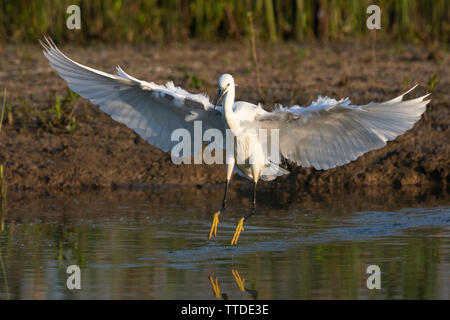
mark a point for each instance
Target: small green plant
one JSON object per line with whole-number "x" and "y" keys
{"x": 406, "y": 82}
{"x": 2, "y": 188}
{"x": 195, "y": 82}
{"x": 2, "y": 115}
{"x": 63, "y": 113}
{"x": 432, "y": 82}
{"x": 72, "y": 126}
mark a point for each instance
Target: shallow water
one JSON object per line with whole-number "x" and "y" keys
{"x": 152, "y": 245}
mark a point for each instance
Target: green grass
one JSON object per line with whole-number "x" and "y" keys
{"x": 432, "y": 82}
{"x": 174, "y": 20}
{"x": 2, "y": 181}
{"x": 194, "y": 81}
{"x": 62, "y": 113}
{"x": 58, "y": 116}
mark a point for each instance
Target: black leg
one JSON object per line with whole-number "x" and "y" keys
{"x": 215, "y": 222}
{"x": 224, "y": 201}
{"x": 252, "y": 212}
{"x": 240, "y": 225}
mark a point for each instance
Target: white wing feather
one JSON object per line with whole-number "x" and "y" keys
{"x": 331, "y": 133}
{"x": 328, "y": 133}
{"x": 153, "y": 111}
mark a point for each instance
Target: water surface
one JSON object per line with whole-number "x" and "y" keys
{"x": 152, "y": 244}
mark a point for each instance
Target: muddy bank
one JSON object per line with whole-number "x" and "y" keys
{"x": 82, "y": 148}
{"x": 208, "y": 197}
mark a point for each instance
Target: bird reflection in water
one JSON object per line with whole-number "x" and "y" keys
{"x": 239, "y": 282}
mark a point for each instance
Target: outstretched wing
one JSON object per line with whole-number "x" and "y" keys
{"x": 153, "y": 111}
{"x": 331, "y": 133}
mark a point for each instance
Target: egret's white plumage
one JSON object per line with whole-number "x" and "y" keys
{"x": 153, "y": 111}
{"x": 326, "y": 134}
{"x": 331, "y": 133}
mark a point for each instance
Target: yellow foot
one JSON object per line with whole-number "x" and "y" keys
{"x": 216, "y": 287}
{"x": 239, "y": 228}
{"x": 214, "y": 225}
{"x": 239, "y": 281}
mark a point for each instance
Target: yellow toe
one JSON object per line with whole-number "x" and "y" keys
{"x": 216, "y": 286}
{"x": 239, "y": 229}
{"x": 239, "y": 281}
{"x": 214, "y": 224}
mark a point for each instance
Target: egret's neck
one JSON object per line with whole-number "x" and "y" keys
{"x": 228, "y": 101}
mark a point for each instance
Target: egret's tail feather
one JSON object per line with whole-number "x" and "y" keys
{"x": 272, "y": 171}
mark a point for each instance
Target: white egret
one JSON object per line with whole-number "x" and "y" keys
{"x": 326, "y": 134}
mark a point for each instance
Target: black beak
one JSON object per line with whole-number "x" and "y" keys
{"x": 220, "y": 95}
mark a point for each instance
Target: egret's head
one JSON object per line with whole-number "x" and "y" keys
{"x": 225, "y": 82}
